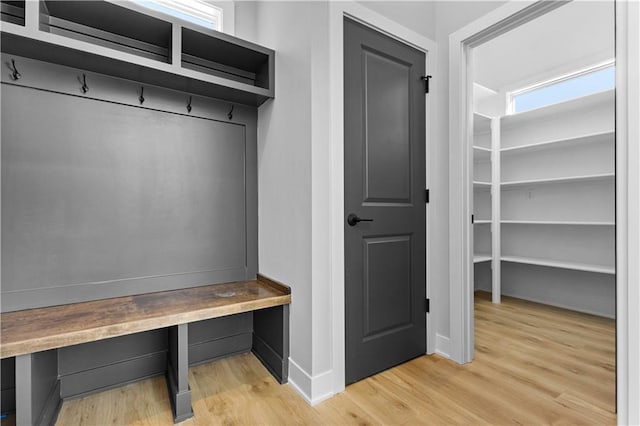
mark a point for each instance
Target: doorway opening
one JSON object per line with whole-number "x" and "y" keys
{"x": 538, "y": 157}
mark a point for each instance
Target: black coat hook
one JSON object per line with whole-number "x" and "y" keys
{"x": 14, "y": 72}
{"x": 189, "y": 105}
{"x": 84, "y": 87}
{"x": 141, "y": 98}
{"x": 230, "y": 114}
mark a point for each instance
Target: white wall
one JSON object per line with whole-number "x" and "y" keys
{"x": 293, "y": 175}
{"x": 246, "y": 22}
{"x": 284, "y": 166}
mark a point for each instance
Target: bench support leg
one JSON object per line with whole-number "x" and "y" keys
{"x": 178, "y": 373}
{"x": 37, "y": 388}
{"x": 271, "y": 340}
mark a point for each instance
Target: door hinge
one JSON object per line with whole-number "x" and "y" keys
{"x": 426, "y": 305}
{"x": 426, "y": 195}
{"x": 426, "y": 79}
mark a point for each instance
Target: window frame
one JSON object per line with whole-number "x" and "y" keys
{"x": 511, "y": 95}
{"x": 187, "y": 12}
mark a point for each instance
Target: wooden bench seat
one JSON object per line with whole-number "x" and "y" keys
{"x": 31, "y": 334}
{"x": 35, "y": 330}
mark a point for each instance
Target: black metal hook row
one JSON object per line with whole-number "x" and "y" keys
{"x": 85, "y": 88}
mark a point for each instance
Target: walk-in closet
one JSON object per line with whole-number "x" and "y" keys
{"x": 543, "y": 161}
{"x": 543, "y": 150}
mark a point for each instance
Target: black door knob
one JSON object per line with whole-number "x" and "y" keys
{"x": 353, "y": 219}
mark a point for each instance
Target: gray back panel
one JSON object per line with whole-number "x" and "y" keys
{"x": 102, "y": 199}
{"x": 8, "y": 385}
{"x": 101, "y": 353}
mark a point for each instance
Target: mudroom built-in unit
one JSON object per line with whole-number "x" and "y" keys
{"x": 129, "y": 204}
{"x": 544, "y": 173}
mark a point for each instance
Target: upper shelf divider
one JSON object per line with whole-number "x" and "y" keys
{"x": 127, "y": 41}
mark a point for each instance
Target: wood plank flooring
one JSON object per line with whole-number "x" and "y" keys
{"x": 534, "y": 365}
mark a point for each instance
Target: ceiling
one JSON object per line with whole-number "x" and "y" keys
{"x": 566, "y": 39}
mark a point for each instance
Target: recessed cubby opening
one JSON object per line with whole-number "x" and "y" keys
{"x": 222, "y": 58}
{"x": 109, "y": 25}
{"x": 12, "y": 11}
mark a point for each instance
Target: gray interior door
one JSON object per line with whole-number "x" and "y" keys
{"x": 384, "y": 113}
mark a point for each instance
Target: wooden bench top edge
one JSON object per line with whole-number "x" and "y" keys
{"x": 276, "y": 285}
{"x": 90, "y": 334}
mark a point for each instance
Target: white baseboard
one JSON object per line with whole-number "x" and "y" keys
{"x": 443, "y": 346}
{"x": 313, "y": 389}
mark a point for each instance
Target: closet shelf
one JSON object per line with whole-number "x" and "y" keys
{"x": 481, "y": 257}
{"x": 602, "y": 269}
{"x": 481, "y": 221}
{"x": 558, "y": 222}
{"x": 128, "y": 41}
{"x": 481, "y": 185}
{"x": 583, "y": 178}
{"x": 556, "y": 143}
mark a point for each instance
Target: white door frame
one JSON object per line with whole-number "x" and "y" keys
{"x": 495, "y": 23}
{"x": 337, "y": 12}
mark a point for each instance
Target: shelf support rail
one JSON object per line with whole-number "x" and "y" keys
{"x": 495, "y": 211}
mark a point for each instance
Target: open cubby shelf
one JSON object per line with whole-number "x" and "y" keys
{"x": 109, "y": 25}
{"x": 12, "y": 11}
{"x": 127, "y": 41}
{"x": 223, "y": 58}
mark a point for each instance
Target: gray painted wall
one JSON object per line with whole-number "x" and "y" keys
{"x": 576, "y": 290}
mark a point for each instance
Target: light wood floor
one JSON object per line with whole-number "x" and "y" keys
{"x": 534, "y": 365}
